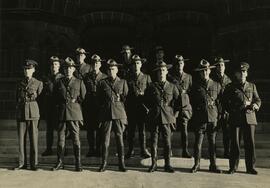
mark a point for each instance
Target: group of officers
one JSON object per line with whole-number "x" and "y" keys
{"x": 125, "y": 98}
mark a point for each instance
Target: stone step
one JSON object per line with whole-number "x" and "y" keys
{"x": 9, "y": 139}
{"x": 134, "y": 162}
{"x": 176, "y": 162}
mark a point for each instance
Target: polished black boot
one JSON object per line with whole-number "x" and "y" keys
{"x": 59, "y": 165}
{"x": 252, "y": 171}
{"x": 144, "y": 152}
{"x": 60, "y": 155}
{"x": 77, "y": 154}
{"x": 168, "y": 167}
{"x": 195, "y": 168}
{"x": 104, "y": 159}
{"x": 153, "y": 167}
{"x": 20, "y": 167}
{"x": 214, "y": 168}
{"x": 121, "y": 159}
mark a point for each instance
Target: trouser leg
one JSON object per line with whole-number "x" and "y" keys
{"x": 226, "y": 137}
{"x": 49, "y": 133}
{"x": 118, "y": 131}
{"x": 33, "y": 137}
{"x": 250, "y": 157}
{"x": 105, "y": 135}
{"x": 211, "y": 136}
{"x": 131, "y": 129}
{"x": 166, "y": 134}
{"x": 74, "y": 129}
{"x": 61, "y": 140}
{"x": 198, "y": 146}
{"x": 154, "y": 144}
{"x": 235, "y": 147}
{"x": 22, "y": 135}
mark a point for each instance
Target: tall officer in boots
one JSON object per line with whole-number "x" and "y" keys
{"x": 220, "y": 77}
{"x": 50, "y": 103}
{"x": 82, "y": 67}
{"x": 70, "y": 92}
{"x": 242, "y": 101}
{"x": 136, "y": 109}
{"x": 28, "y": 90}
{"x": 112, "y": 93}
{"x": 162, "y": 99}
{"x": 124, "y": 70}
{"x": 205, "y": 96}
{"x": 91, "y": 106}
{"x": 183, "y": 82}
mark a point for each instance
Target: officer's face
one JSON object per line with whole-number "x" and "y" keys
{"x": 204, "y": 74}
{"x": 137, "y": 66}
{"x": 162, "y": 73}
{"x": 81, "y": 58}
{"x": 112, "y": 71}
{"x": 28, "y": 72}
{"x": 97, "y": 65}
{"x": 55, "y": 66}
{"x": 220, "y": 68}
{"x": 69, "y": 71}
{"x": 180, "y": 66}
{"x": 160, "y": 54}
{"x": 127, "y": 54}
{"x": 241, "y": 75}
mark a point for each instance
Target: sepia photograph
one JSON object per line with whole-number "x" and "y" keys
{"x": 134, "y": 93}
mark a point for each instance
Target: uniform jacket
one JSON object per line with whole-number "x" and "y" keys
{"x": 26, "y": 95}
{"x": 124, "y": 71}
{"x": 70, "y": 94}
{"x": 224, "y": 82}
{"x": 112, "y": 96}
{"x": 183, "y": 83}
{"x": 163, "y": 103}
{"x": 90, "y": 104}
{"x": 82, "y": 70}
{"x": 205, "y": 99}
{"x": 238, "y": 99}
{"x": 48, "y": 95}
{"x": 135, "y": 99}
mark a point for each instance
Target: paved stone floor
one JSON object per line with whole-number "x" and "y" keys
{"x": 135, "y": 177}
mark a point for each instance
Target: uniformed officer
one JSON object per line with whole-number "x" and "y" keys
{"x": 162, "y": 99}
{"x": 50, "y": 103}
{"x": 242, "y": 101}
{"x": 136, "y": 109}
{"x": 112, "y": 93}
{"x": 28, "y": 90}
{"x": 82, "y": 67}
{"x": 220, "y": 77}
{"x": 70, "y": 92}
{"x": 205, "y": 95}
{"x": 91, "y": 106}
{"x": 159, "y": 56}
{"x": 160, "y": 53}
{"x": 124, "y": 70}
{"x": 183, "y": 81}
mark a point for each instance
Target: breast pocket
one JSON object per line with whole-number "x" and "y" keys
{"x": 213, "y": 93}
{"x": 248, "y": 93}
{"x": 168, "y": 98}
